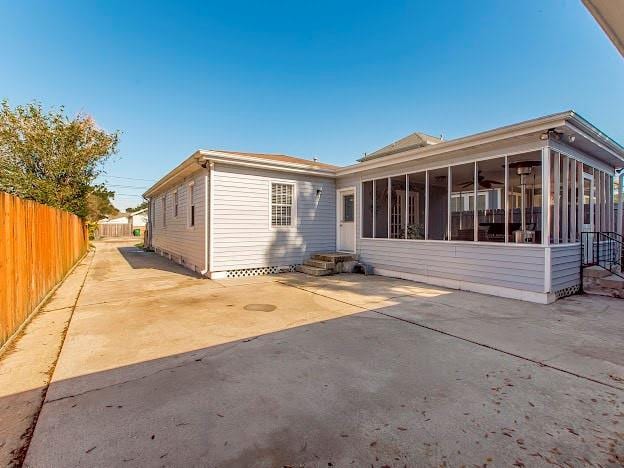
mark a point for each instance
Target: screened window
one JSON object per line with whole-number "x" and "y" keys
{"x": 281, "y": 204}
{"x": 524, "y": 191}
{"x": 367, "y": 209}
{"x": 397, "y": 207}
{"x": 462, "y": 202}
{"x": 491, "y": 200}
{"x": 191, "y": 205}
{"x": 381, "y": 208}
{"x": 417, "y": 191}
{"x": 438, "y": 204}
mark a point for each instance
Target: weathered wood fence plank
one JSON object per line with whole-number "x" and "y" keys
{"x": 113, "y": 230}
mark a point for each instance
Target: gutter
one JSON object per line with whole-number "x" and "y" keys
{"x": 568, "y": 118}
{"x": 535, "y": 125}
{"x": 249, "y": 161}
{"x": 202, "y": 156}
{"x": 188, "y": 162}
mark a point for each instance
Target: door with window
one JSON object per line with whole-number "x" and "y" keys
{"x": 589, "y": 203}
{"x": 346, "y": 220}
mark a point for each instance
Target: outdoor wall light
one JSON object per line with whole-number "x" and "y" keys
{"x": 571, "y": 138}
{"x": 319, "y": 191}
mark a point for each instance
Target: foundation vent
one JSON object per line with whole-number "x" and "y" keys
{"x": 270, "y": 270}
{"x": 569, "y": 291}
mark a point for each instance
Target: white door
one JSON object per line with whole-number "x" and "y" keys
{"x": 589, "y": 202}
{"x": 346, "y": 220}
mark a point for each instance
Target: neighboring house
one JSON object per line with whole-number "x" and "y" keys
{"x": 135, "y": 220}
{"x": 468, "y": 213}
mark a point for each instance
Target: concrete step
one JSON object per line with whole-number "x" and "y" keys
{"x": 595, "y": 272}
{"x": 334, "y": 257}
{"x": 612, "y": 282}
{"x": 314, "y": 271}
{"x": 320, "y": 264}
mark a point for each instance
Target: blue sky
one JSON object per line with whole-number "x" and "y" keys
{"x": 325, "y": 79}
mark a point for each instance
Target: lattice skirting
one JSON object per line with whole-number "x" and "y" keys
{"x": 569, "y": 291}
{"x": 269, "y": 270}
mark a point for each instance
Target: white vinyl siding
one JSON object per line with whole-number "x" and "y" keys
{"x": 184, "y": 245}
{"x": 242, "y": 232}
{"x": 565, "y": 261}
{"x": 496, "y": 265}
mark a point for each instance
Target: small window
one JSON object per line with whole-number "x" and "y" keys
{"x": 164, "y": 210}
{"x": 281, "y": 204}
{"x": 175, "y": 204}
{"x": 191, "y": 205}
{"x": 347, "y": 209}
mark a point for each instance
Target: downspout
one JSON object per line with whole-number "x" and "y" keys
{"x": 619, "y": 205}
{"x": 207, "y": 218}
{"x": 211, "y": 220}
{"x": 149, "y": 223}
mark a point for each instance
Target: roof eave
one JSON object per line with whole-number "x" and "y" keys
{"x": 188, "y": 162}
{"x": 248, "y": 161}
{"x": 509, "y": 131}
{"x": 581, "y": 125}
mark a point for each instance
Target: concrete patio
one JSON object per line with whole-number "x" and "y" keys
{"x": 162, "y": 368}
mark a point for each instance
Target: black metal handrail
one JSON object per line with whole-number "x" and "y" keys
{"x": 603, "y": 249}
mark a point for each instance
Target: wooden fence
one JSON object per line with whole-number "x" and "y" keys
{"x": 38, "y": 246}
{"x": 113, "y": 230}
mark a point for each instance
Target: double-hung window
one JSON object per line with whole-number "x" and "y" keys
{"x": 282, "y": 198}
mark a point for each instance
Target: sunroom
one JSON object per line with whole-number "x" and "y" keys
{"x": 504, "y": 219}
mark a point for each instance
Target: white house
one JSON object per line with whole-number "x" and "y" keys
{"x": 133, "y": 220}
{"x": 500, "y": 212}
{"x": 136, "y": 219}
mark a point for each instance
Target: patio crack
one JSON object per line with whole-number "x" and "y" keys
{"x": 135, "y": 379}
{"x": 467, "y": 340}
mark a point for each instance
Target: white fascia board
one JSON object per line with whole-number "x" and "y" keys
{"x": 598, "y": 138}
{"x": 531, "y": 126}
{"x": 241, "y": 160}
{"x": 172, "y": 175}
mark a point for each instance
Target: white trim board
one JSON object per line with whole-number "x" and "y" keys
{"x": 339, "y": 191}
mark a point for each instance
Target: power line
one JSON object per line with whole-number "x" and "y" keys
{"x": 126, "y": 186}
{"x": 127, "y": 178}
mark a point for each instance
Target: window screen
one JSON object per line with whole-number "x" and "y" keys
{"x": 281, "y": 204}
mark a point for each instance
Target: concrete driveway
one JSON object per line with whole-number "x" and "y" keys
{"x": 160, "y": 368}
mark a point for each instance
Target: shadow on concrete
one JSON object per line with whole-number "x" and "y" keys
{"x": 138, "y": 258}
{"x": 362, "y": 389}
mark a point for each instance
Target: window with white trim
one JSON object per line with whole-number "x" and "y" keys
{"x": 191, "y": 205}
{"x": 281, "y": 204}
